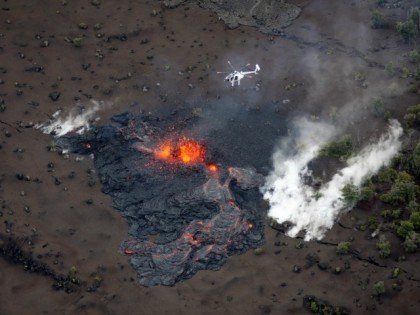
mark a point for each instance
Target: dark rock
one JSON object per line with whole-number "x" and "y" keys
{"x": 54, "y": 96}
{"x": 296, "y": 269}
{"x": 323, "y": 266}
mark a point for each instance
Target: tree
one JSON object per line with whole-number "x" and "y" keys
{"x": 350, "y": 194}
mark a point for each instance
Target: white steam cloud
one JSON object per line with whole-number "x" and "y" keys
{"x": 76, "y": 120}
{"x": 311, "y": 211}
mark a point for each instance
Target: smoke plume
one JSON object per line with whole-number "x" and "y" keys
{"x": 78, "y": 120}
{"x": 309, "y": 210}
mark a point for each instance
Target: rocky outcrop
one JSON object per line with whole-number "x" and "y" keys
{"x": 268, "y": 16}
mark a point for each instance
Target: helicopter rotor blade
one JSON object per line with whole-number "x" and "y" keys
{"x": 246, "y": 66}
{"x": 231, "y": 65}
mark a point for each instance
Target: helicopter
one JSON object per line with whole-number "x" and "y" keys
{"x": 237, "y": 75}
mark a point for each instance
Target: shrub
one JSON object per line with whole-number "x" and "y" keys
{"x": 259, "y": 251}
{"x": 391, "y": 215}
{"x": 384, "y": 247}
{"x": 386, "y": 214}
{"x": 378, "y": 107}
{"x": 413, "y": 206}
{"x": 415, "y": 17}
{"x": 413, "y": 115}
{"x": 407, "y": 30}
{"x": 372, "y": 223}
{"x": 378, "y": 288}
{"x": 415, "y": 220}
{"x": 343, "y": 248}
{"x": 405, "y": 228}
{"x": 396, "y": 214}
{"x": 377, "y": 20}
{"x": 314, "y": 307}
{"x": 77, "y": 41}
{"x": 411, "y": 242}
{"x": 414, "y": 56}
{"x": 396, "y": 272}
{"x": 390, "y": 69}
{"x": 367, "y": 193}
{"x": 350, "y": 194}
{"x": 404, "y": 177}
{"x": 402, "y": 192}
{"x": 387, "y": 175}
{"x": 341, "y": 149}
{"x": 414, "y": 163}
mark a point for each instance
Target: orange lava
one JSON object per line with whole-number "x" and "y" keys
{"x": 164, "y": 151}
{"x": 184, "y": 150}
{"x": 212, "y": 167}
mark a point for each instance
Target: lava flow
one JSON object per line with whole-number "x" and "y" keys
{"x": 198, "y": 216}
{"x": 184, "y": 150}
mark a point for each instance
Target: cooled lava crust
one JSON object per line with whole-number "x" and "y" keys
{"x": 186, "y": 210}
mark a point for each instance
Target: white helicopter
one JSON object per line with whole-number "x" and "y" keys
{"x": 236, "y": 76}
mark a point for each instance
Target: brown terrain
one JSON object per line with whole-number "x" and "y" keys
{"x": 314, "y": 64}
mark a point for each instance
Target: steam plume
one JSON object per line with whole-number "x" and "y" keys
{"x": 74, "y": 121}
{"x": 291, "y": 200}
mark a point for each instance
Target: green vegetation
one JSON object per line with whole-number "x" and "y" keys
{"x": 341, "y": 149}
{"x": 372, "y": 223}
{"x": 387, "y": 175}
{"x": 384, "y": 247}
{"x": 377, "y": 20}
{"x": 415, "y": 220}
{"x": 259, "y": 251}
{"x": 414, "y": 56}
{"x": 343, "y": 248}
{"x": 83, "y": 26}
{"x": 314, "y": 307}
{"x": 411, "y": 242}
{"x": 407, "y": 30}
{"x": 367, "y": 192}
{"x": 410, "y": 28}
{"x": 390, "y": 69}
{"x": 398, "y": 186}
{"x": 77, "y": 41}
{"x": 378, "y": 107}
{"x": 402, "y": 191}
{"x": 378, "y": 288}
{"x": 391, "y": 215}
{"x": 413, "y": 206}
{"x": 396, "y": 272}
{"x": 405, "y": 228}
{"x": 351, "y": 194}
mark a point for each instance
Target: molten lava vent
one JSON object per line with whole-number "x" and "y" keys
{"x": 186, "y": 210}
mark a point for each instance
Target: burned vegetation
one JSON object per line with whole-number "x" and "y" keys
{"x": 187, "y": 211}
